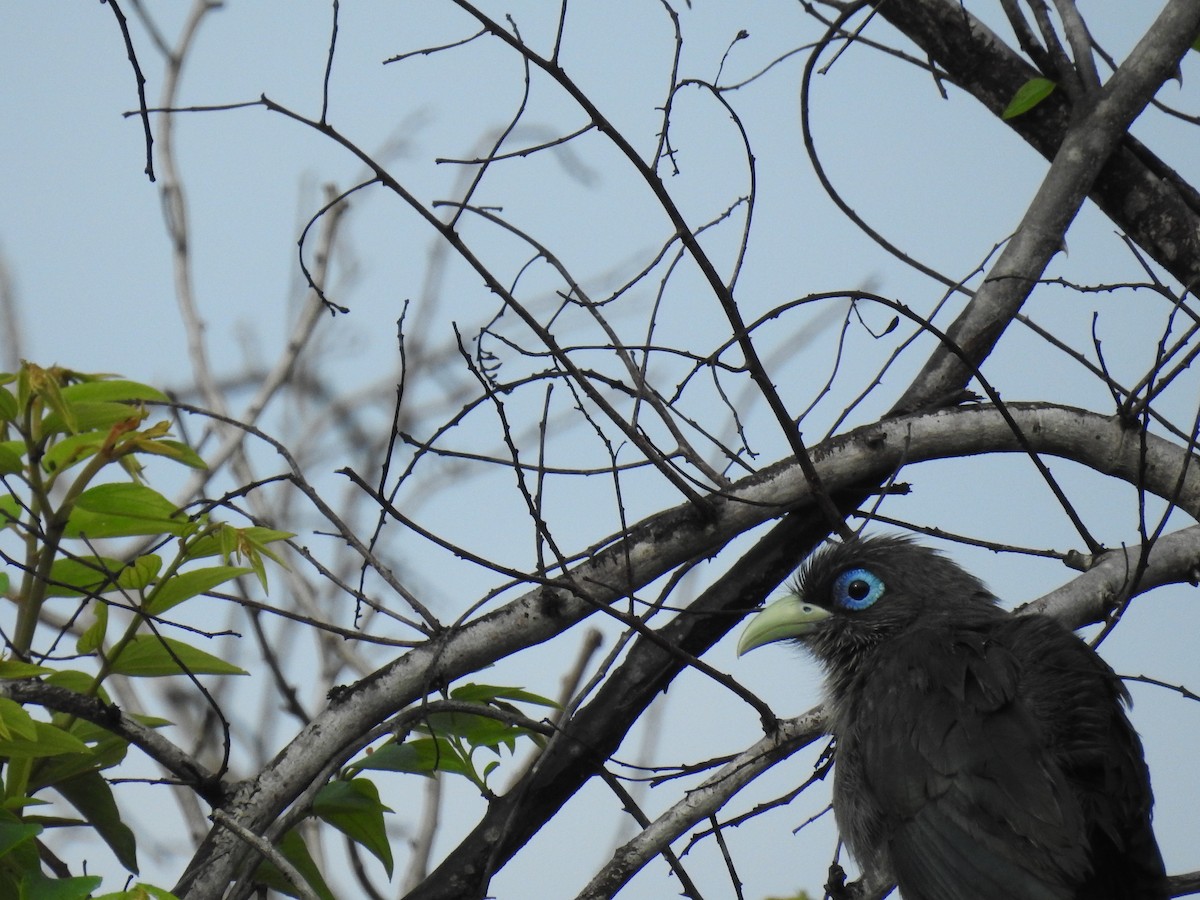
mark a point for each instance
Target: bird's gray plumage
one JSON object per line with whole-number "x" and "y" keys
{"x": 979, "y": 754}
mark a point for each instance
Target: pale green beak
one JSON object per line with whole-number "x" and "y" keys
{"x": 787, "y": 617}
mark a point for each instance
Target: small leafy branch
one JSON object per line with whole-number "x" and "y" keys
{"x": 62, "y": 435}
{"x": 476, "y": 717}
{"x": 472, "y": 718}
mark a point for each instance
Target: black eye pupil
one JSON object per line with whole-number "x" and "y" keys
{"x": 857, "y": 589}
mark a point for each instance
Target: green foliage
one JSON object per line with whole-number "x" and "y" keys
{"x": 1028, "y": 95}
{"x": 72, "y": 448}
{"x": 139, "y": 892}
{"x": 294, "y": 850}
{"x": 455, "y": 737}
{"x": 352, "y": 806}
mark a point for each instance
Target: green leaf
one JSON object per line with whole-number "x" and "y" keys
{"x": 1028, "y": 95}
{"x": 294, "y": 851}
{"x": 185, "y": 585}
{"x": 90, "y": 417}
{"x": 93, "y": 638}
{"x": 73, "y": 449}
{"x": 476, "y": 730}
{"x": 10, "y": 510}
{"x": 15, "y": 721}
{"x": 105, "y": 750}
{"x": 49, "y": 740}
{"x": 83, "y": 575}
{"x": 92, "y": 796}
{"x": 484, "y": 693}
{"x": 79, "y": 682}
{"x": 8, "y": 406}
{"x": 14, "y": 668}
{"x": 226, "y": 540}
{"x": 139, "y": 892}
{"x": 176, "y": 450}
{"x": 72, "y": 577}
{"x": 36, "y": 886}
{"x": 47, "y": 385}
{"x": 421, "y": 756}
{"x": 114, "y": 389}
{"x": 353, "y": 808}
{"x": 123, "y": 510}
{"x": 14, "y": 833}
{"x": 140, "y": 573}
{"x": 12, "y": 457}
{"x": 124, "y": 499}
{"x": 150, "y": 656}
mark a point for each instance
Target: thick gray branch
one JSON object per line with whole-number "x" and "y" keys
{"x": 1093, "y": 136}
{"x": 110, "y": 717}
{"x": 657, "y": 545}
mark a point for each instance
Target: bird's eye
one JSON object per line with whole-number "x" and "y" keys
{"x": 857, "y": 589}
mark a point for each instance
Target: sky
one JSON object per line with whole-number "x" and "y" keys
{"x": 88, "y": 259}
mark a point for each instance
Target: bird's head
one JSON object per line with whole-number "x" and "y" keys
{"x": 853, "y": 595}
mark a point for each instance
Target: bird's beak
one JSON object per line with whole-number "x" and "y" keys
{"x": 787, "y": 617}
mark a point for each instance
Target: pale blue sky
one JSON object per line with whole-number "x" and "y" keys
{"x": 82, "y": 237}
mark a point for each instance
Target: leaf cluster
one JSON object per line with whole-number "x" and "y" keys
{"x": 72, "y": 452}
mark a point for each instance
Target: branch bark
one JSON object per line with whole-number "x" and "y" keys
{"x": 1081, "y": 151}
{"x": 657, "y": 545}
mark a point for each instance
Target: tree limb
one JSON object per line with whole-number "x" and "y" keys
{"x": 657, "y": 545}
{"x": 1083, "y": 148}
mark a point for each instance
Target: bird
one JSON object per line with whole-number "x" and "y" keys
{"x": 979, "y": 754}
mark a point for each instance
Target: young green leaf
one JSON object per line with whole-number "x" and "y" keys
{"x": 186, "y": 585}
{"x": 93, "y": 636}
{"x": 225, "y": 540}
{"x": 36, "y": 885}
{"x": 105, "y": 750}
{"x": 176, "y": 450}
{"x": 123, "y": 510}
{"x": 140, "y": 573}
{"x": 123, "y": 499}
{"x": 12, "y": 457}
{"x": 10, "y": 510}
{"x": 83, "y": 575}
{"x": 15, "y": 721}
{"x": 90, "y": 417}
{"x": 14, "y": 833}
{"x": 14, "y": 668}
{"x": 73, "y": 449}
{"x": 353, "y": 808}
{"x": 139, "y": 892}
{"x": 151, "y": 656}
{"x": 8, "y": 406}
{"x": 294, "y": 851}
{"x": 48, "y": 740}
{"x": 1028, "y": 95}
{"x": 114, "y": 389}
{"x": 92, "y": 796}
{"x": 46, "y": 384}
{"x": 421, "y": 756}
{"x": 485, "y": 693}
